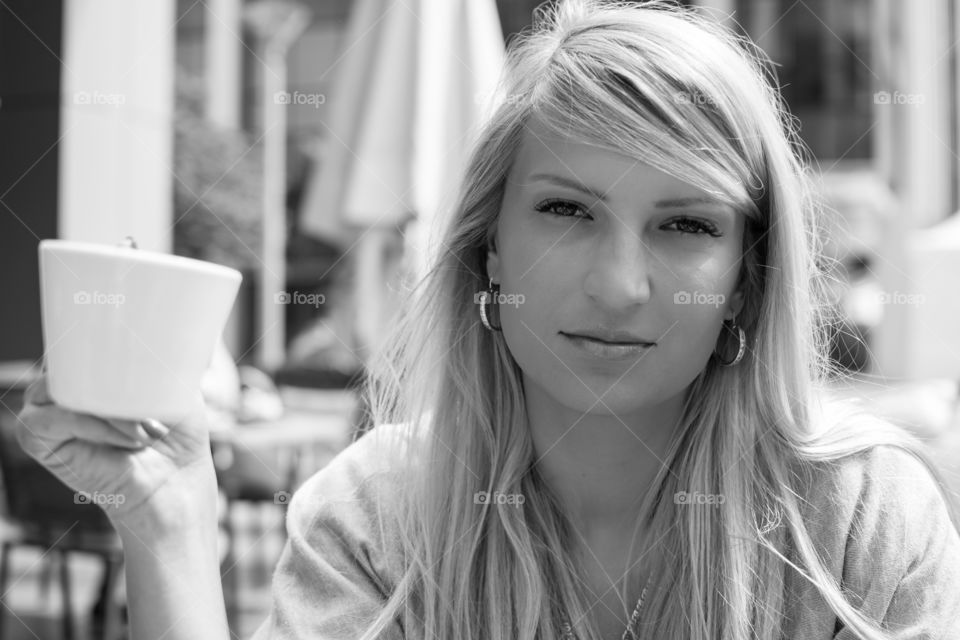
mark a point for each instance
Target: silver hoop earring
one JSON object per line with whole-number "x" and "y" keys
{"x": 483, "y": 298}
{"x": 742, "y": 349}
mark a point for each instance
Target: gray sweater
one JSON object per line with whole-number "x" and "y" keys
{"x": 888, "y": 538}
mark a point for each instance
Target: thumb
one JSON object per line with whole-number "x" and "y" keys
{"x": 38, "y": 393}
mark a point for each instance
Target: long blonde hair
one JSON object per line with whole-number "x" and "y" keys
{"x": 658, "y": 83}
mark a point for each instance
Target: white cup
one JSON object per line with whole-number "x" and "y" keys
{"x": 129, "y": 333}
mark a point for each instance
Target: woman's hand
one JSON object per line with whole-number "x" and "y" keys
{"x": 157, "y": 485}
{"x": 144, "y": 475}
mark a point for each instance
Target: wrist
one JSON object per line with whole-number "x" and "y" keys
{"x": 155, "y": 526}
{"x": 187, "y": 507}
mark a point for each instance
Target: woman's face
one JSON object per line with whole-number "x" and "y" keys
{"x": 650, "y": 259}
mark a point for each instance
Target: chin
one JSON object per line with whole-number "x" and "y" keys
{"x": 620, "y": 401}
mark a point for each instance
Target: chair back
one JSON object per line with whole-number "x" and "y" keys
{"x": 36, "y": 500}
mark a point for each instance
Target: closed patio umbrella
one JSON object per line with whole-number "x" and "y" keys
{"x": 411, "y": 89}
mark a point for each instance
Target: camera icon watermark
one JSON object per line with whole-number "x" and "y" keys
{"x": 98, "y": 298}
{"x": 485, "y": 497}
{"x": 698, "y": 297}
{"x": 901, "y": 298}
{"x": 687, "y": 498}
{"x": 513, "y": 299}
{"x": 299, "y": 98}
{"x": 282, "y": 497}
{"x": 298, "y": 297}
{"x": 98, "y": 98}
{"x": 485, "y": 97}
{"x": 897, "y": 97}
{"x": 693, "y": 97}
{"x": 100, "y": 499}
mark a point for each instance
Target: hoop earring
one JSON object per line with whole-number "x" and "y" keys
{"x": 742, "y": 349}
{"x": 483, "y": 298}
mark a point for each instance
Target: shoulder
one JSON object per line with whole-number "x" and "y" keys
{"x": 882, "y": 496}
{"x": 342, "y": 558}
{"x": 375, "y": 456}
{"x": 877, "y": 486}
{"x": 882, "y": 527}
{"x": 353, "y": 501}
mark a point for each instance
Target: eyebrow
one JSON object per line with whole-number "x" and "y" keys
{"x": 668, "y": 203}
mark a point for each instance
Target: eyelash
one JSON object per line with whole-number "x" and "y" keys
{"x": 706, "y": 227}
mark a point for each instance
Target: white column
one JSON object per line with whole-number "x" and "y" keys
{"x": 923, "y": 74}
{"x": 955, "y": 108}
{"x": 273, "y": 270}
{"x": 884, "y": 52}
{"x": 223, "y": 49}
{"x": 116, "y": 122}
{"x": 276, "y": 25}
{"x": 913, "y": 138}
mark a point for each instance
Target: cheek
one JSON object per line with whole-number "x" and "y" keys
{"x": 534, "y": 274}
{"x": 529, "y": 342}
{"x": 535, "y": 289}
{"x": 700, "y": 299}
{"x": 525, "y": 249}
{"x": 527, "y": 305}
{"x": 710, "y": 282}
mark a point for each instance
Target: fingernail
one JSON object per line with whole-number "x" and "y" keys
{"x": 155, "y": 428}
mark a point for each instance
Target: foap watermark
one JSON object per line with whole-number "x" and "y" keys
{"x": 100, "y": 499}
{"x": 686, "y": 498}
{"x": 299, "y": 98}
{"x": 98, "y": 297}
{"x": 513, "y": 299}
{"x": 97, "y": 97}
{"x": 484, "y": 97}
{"x": 897, "y": 97}
{"x": 281, "y": 497}
{"x": 899, "y": 297}
{"x": 698, "y": 297}
{"x": 485, "y": 497}
{"x": 693, "y": 97}
{"x": 298, "y": 297}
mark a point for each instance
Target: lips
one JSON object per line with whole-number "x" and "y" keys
{"x": 610, "y": 337}
{"x": 611, "y": 351}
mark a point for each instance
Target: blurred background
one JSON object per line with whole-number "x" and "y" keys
{"x": 310, "y": 143}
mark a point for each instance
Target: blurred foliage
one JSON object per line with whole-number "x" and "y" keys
{"x": 218, "y": 184}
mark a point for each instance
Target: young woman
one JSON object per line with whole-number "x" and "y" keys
{"x": 600, "y": 414}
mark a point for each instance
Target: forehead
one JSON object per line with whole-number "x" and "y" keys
{"x": 543, "y": 151}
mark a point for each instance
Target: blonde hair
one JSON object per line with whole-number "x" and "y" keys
{"x": 652, "y": 81}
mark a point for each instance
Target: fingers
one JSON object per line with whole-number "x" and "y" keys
{"x": 41, "y": 430}
{"x": 144, "y": 431}
{"x": 155, "y": 429}
{"x": 133, "y": 429}
{"x": 134, "y": 433}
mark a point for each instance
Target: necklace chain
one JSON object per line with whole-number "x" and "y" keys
{"x": 628, "y": 634}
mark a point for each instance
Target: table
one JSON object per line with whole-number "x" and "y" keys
{"x": 314, "y": 428}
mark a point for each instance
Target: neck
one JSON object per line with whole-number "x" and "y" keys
{"x": 600, "y": 465}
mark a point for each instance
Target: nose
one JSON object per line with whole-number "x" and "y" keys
{"x": 619, "y": 273}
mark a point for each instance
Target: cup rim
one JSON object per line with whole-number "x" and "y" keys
{"x": 139, "y": 256}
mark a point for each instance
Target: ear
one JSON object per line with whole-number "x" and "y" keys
{"x": 493, "y": 262}
{"x": 735, "y": 306}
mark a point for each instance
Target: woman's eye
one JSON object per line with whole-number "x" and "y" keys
{"x": 562, "y": 208}
{"x": 686, "y": 226}
{"x": 695, "y": 226}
